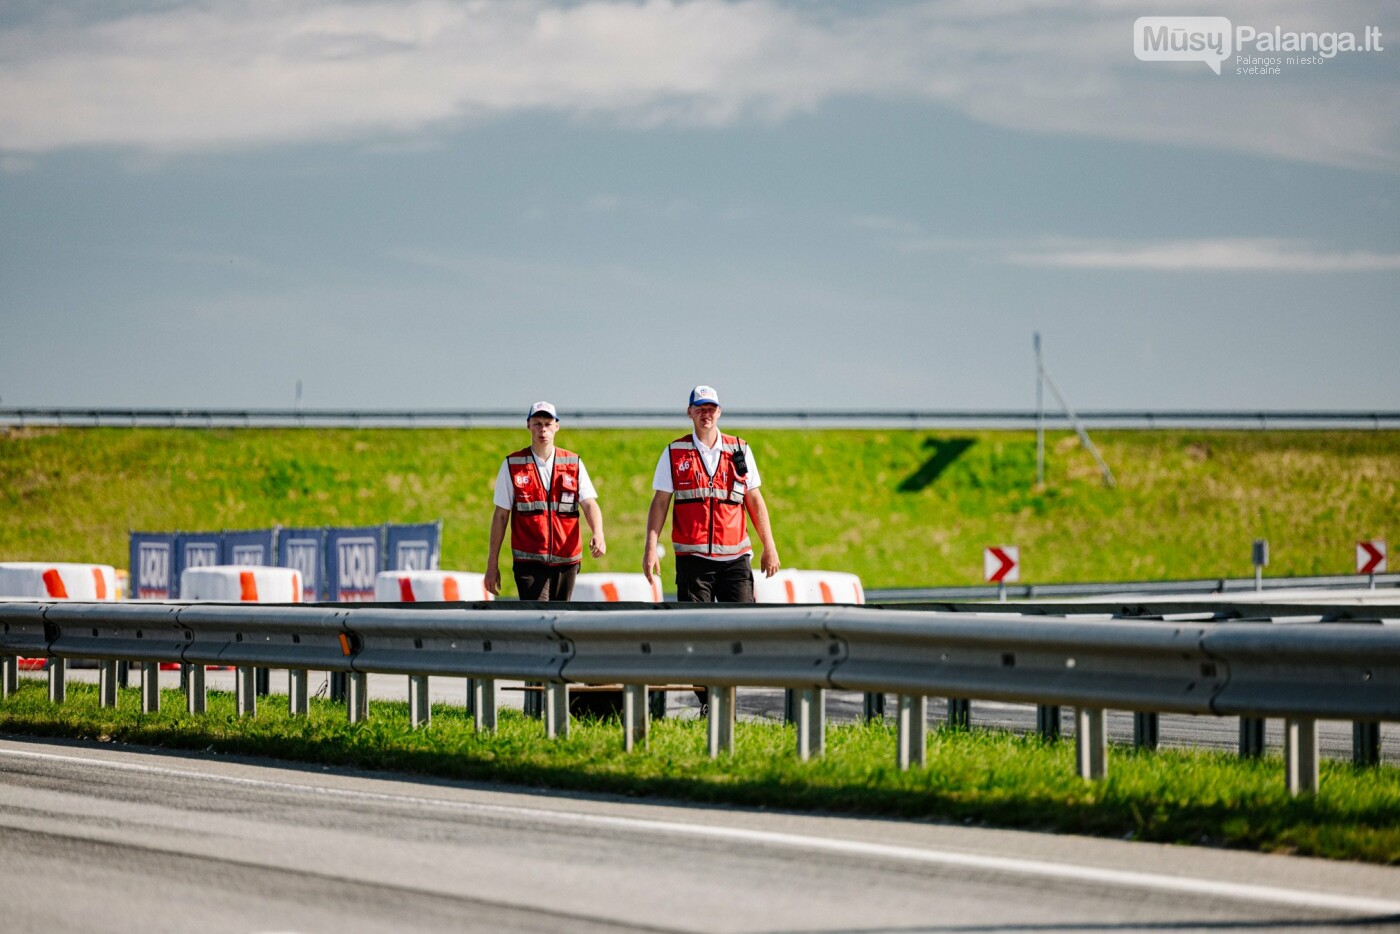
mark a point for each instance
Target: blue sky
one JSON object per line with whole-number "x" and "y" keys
{"x": 816, "y": 204}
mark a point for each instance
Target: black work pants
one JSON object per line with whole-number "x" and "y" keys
{"x": 537, "y": 581}
{"x": 701, "y": 580}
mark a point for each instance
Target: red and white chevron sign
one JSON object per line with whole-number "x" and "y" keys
{"x": 1001, "y": 564}
{"x": 1370, "y": 557}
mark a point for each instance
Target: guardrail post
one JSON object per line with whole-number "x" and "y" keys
{"x": 420, "y": 711}
{"x": 1300, "y": 756}
{"x": 150, "y": 687}
{"x": 107, "y": 684}
{"x": 1047, "y": 721}
{"x": 873, "y": 707}
{"x": 1366, "y": 742}
{"x": 484, "y": 703}
{"x": 337, "y": 689}
{"x": 1251, "y": 737}
{"x": 9, "y": 675}
{"x": 244, "y": 695}
{"x": 720, "y": 732}
{"x": 533, "y": 701}
{"x": 959, "y": 713}
{"x": 1091, "y": 742}
{"x": 1147, "y": 730}
{"x": 789, "y": 706}
{"x": 262, "y": 682}
{"x": 471, "y": 697}
{"x": 357, "y": 696}
{"x": 58, "y": 681}
{"x": 196, "y": 697}
{"x": 635, "y": 722}
{"x": 124, "y": 674}
{"x": 556, "y": 710}
{"x": 913, "y": 731}
{"x": 811, "y": 723}
{"x": 657, "y": 703}
{"x": 297, "y": 701}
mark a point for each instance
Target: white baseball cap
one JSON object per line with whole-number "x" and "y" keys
{"x": 704, "y": 395}
{"x": 542, "y": 408}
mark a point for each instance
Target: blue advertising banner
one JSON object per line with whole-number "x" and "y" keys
{"x": 353, "y": 560}
{"x": 196, "y": 550}
{"x": 413, "y": 547}
{"x": 257, "y": 547}
{"x": 305, "y": 550}
{"x": 152, "y": 565}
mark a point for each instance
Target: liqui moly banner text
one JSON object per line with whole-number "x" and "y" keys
{"x": 152, "y": 565}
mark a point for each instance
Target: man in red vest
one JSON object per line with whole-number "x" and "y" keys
{"x": 540, "y": 491}
{"x": 714, "y": 481}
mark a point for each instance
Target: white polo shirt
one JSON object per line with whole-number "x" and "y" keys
{"x": 505, "y": 498}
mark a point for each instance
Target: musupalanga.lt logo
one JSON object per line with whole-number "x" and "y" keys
{"x": 1214, "y": 39}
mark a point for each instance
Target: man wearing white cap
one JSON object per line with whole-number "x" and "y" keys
{"x": 540, "y": 491}
{"x": 714, "y": 480}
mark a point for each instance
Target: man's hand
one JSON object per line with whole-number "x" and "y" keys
{"x": 651, "y": 564}
{"x": 769, "y": 562}
{"x": 597, "y": 547}
{"x": 493, "y": 581}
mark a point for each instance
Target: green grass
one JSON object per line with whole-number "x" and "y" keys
{"x": 899, "y": 508}
{"x": 979, "y": 777}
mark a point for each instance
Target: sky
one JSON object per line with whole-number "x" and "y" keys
{"x": 824, "y": 205}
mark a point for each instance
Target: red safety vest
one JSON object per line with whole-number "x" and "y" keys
{"x": 544, "y": 520}
{"x": 709, "y": 514}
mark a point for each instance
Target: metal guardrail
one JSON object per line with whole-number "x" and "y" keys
{"x": 1154, "y": 588}
{"x": 1298, "y": 671}
{"x": 79, "y": 416}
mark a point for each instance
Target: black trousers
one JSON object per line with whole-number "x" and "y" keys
{"x": 701, "y": 580}
{"x": 536, "y": 581}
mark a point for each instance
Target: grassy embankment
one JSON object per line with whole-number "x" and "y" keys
{"x": 989, "y": 777}
{"x": 900, "y": 508}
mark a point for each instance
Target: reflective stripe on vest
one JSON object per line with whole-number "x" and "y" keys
{"x": 541, "y": 558}
{"x": 739, "y": 549}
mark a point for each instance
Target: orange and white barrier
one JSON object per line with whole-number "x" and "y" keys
{"x": 794, "y": 586}
{"x": 58, "y": 580}
{"x": 233, "y": 583}
{"x": 430, "y": 586}
{"x": 614, "y": 588}
{"x": 55, "y": 580}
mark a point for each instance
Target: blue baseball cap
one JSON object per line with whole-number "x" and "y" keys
{"x": 704, "y": 395}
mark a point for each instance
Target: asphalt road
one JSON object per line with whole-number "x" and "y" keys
{"x": 103, "y": 838}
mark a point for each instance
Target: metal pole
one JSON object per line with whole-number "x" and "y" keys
{"x": 484, "y": 703}
{"x": 635, "y": 722}
{"x": 1091, "y": 742}
{"x": 913, "y": 731}
{"x": 1047, "y": 721}
{"x": 1366, "y": 743}
{"x": 959, "y": 713}
{"x": 297, "y": 705}
{"x": 1080, "y": 429}
{"x": 811, "y": 723}
{"x": 556, "y": 710}
{"x": 150, "y": 687}
{"x": 1147, "y": 730}
{"x": 107, "y": 684}
{"x": 1300, "y": 756}
{"x": 246, "y": 697}
{"x": 196, "y": 697}
{"x": 9, "y": 675}
{"x": 1251, "y": 737}
{"x": 357, "y": 696}
{"x": 58, "y": 684}
{"x": 420, "y": 711}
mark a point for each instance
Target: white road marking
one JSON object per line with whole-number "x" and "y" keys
{"x": 1270, "y": 895}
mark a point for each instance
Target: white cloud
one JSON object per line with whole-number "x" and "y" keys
{"x": 223, "y": 73}
{"x": 1239, "y": 254}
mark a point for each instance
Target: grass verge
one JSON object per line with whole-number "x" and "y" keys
{"x": 987, "y": 777}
